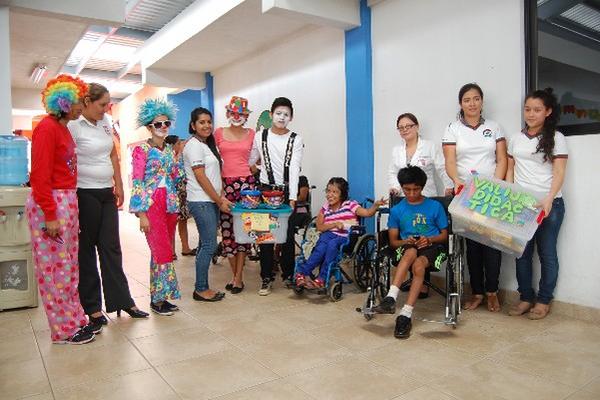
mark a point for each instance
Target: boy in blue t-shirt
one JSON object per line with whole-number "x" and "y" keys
{"x": 419, "y": 226}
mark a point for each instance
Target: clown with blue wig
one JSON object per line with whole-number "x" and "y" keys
{"x": 154, "y": 199}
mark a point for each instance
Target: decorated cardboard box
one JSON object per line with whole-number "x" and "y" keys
{"x": 496, "y": 213}
{"x": 260, "y": 225}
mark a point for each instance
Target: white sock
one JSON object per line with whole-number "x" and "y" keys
{"x": 407, "y": 311}
{"x": 394, "y": 290}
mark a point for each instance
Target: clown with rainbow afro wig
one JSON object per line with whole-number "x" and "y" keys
{"x": 152, "y": 108}
{"x": 61, "y": 93}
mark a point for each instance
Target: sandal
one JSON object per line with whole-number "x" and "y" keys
{"x": 300, "y": 280}
{"x": 474, "y": 302}
{"x": 493, "y": 304}
{"x": 520, "y": 309}
{"x": 539, "y": 311}
{"x": 192, "y": 252}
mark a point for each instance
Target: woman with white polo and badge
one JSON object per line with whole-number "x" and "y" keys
{"x": 538, "y": 161}
{"x": 99, "y": 194}
{"x": 473, "y": 144}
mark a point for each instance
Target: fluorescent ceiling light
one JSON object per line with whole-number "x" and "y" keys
{"x": 38, "y": 73}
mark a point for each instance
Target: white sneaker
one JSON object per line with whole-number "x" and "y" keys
{"x": 265, "y": 288}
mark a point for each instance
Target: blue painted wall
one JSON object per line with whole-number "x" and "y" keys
{"x": 189, "y": 99}
{"x": 359, "y": 109}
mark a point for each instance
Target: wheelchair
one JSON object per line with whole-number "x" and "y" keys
{"x": 357, "y": 251}
{"x": 386, "y": 258}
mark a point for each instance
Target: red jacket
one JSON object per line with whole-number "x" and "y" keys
{"x": 53, "y": 163}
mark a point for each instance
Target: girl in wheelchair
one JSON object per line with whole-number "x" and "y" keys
{"x": 334, "y": 221}
{"x": 418, "y": 227}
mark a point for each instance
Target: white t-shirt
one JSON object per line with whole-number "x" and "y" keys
{"x": 428, "y": 157}
{"x": 277, "y": 145}
{"x": 94, "y": 145}
{"x": 531, "y": 171}
{"x": 475, "y": 147}
{"x": 197, "y": 154}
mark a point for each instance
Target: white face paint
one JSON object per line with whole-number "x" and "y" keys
{"x": 241, "y": 120}
{"x": 282, "y": 117}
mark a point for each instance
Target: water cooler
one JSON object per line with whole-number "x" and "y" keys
{"x": 18, "y": 286}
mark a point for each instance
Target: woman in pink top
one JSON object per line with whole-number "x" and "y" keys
{"x": 235, "y": 143}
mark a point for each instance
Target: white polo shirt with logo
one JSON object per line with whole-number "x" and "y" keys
{"x": 475, "y": 146}
{"x": 531, "y": 171}
{"x": 94, "y": 145}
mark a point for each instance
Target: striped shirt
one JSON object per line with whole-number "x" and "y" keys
{"x": 346, "y": 214}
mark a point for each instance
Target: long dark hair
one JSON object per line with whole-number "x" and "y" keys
{"x": 464, "y": 89}
{"x": 546, "y": 142}
{"x": 342, "y": 185}
{"x": 210, "y": 140}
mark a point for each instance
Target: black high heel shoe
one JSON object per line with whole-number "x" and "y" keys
{"x": 133, "y": 313}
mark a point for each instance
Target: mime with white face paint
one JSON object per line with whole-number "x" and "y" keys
{"x": 280, "y": 152}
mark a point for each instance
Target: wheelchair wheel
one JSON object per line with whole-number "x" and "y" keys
{"x": 454, "y": 310}
{"x": 384, "y": 275}
{"x": 298, "y": 290}
{"x": 335, "y": 291}
{"x": 364, "y": 253}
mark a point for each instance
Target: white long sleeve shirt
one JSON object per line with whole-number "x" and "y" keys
{"x": 428, "y": 157}
{"x": 277, "y": 145}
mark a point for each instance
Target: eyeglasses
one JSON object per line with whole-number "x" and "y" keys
{"x": 159, "y": 124}
{"x": 56, "y": 238}
{"x": 406, "y": 127}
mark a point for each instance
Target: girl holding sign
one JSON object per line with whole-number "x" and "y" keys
{"x": 537, "y": 161}
{"x": 474, "y": 144}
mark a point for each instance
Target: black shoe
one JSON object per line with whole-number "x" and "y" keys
{"x": 237, "y": 289}
{"x": 98, "y": 320}
{"x": 79, "y": 337}
{"x": 403, "y": 327}
{"x": 133, "y": 313}
{"x": 170, "y": 306}
{"x": 160, "y": 310}
{"x": 218, "y": 296}
{"x": 387, "y": 306}
{"x": 229, "y": 286}
{"x": 94, "y": 327}
{"x": 423, "y": 295}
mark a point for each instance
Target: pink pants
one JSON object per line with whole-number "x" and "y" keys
{"x": 163, "y": 281}
{"x": 56, "y": 264}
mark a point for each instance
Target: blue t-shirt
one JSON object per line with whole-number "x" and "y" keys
{"x": 425, "y": 219}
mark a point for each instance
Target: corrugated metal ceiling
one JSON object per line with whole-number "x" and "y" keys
{"x": 151, "y": 15}
{"x": 584, "y": 15}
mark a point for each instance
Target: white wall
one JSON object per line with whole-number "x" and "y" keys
{"x": 308, "y": 68}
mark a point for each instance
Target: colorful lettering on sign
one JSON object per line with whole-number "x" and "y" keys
{"x": 492, "y": 200}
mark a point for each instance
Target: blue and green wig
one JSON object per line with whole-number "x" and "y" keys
{"x": 151, "y": 108}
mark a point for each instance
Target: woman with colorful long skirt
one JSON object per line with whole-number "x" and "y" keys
{"x": 155, "y": 202}
{"x": 235, "y": 144}
{"x": 474, "y": 144}
{"x": 100, "y": 193}
{"x": 53, "y": 214}
{"x": 538, "y": 161}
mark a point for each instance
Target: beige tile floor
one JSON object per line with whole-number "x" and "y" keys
{"x": 287, "y": 347}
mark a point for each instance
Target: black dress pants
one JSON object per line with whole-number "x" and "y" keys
{"x": 288, "y": 254}
{"x": 484, "y": 267}
{"x": 99, "y": 230}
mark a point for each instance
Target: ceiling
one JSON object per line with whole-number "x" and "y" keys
{"x": 36, "y": 39}
{"x": 574, "y": 20}
{"x": 239, "y": 33}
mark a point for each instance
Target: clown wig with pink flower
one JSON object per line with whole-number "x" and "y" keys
{"x": 61, "y": 93}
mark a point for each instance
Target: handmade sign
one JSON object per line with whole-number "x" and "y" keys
{"x": 496, "y": 213}
{"x": 260, "y": 225}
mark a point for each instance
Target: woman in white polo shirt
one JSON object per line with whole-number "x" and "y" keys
{"x": 99, "y": 193}
{"x": 474, "y": 144}
{"x": 537, "y": 161}
{"x": 202, "y": 163}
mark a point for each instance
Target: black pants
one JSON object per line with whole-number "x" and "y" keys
{"x": 99, "y": 229}
{"x": 484, "y": 267}
{"x": 288, "y": 252}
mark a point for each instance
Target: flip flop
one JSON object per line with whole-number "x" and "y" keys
{"x": 192, "y": 252}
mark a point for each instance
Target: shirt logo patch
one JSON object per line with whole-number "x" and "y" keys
{"x": 106, "y": 129}
{"x": 487, "y": 133}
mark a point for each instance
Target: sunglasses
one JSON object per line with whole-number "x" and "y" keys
{"x": 56, "y": 238}
{"x": 159, "y": 124}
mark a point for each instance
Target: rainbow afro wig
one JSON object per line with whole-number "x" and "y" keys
{"x": 62, "y": 92}
{"x": 151, "y": 108}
